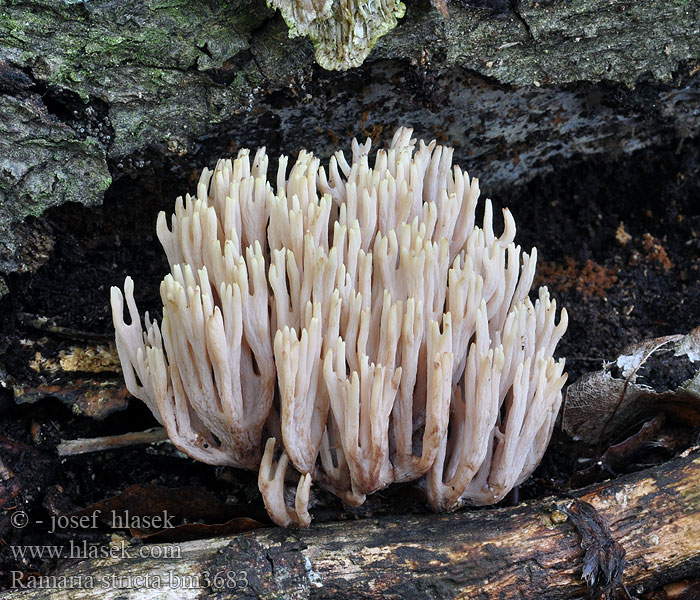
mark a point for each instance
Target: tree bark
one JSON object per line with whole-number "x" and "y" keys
{"x": 92, "y": 91}
{"x": 530, "y": 550}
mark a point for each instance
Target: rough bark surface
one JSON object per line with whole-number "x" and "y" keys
{"x": 531, "y": 550}
{"x": 88, "y": 89}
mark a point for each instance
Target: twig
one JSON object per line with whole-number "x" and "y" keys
{"x": 84, "y": 445}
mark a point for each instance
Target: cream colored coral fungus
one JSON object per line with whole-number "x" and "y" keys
{"x": 358, "y": 320}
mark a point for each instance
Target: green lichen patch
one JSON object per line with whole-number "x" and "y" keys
{"x": 42, "y": 163}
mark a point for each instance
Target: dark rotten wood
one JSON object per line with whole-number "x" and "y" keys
{"x": 530, "y": 549}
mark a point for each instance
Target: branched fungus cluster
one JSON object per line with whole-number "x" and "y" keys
{"x": 355, "y": 318}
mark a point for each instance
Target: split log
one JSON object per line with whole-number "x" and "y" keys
{"x": 532, "y": 550}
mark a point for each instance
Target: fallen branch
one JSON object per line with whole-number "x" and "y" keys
{"x": 532, "y": 550}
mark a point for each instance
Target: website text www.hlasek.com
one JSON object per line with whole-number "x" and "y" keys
{"x": 163, "y": 570}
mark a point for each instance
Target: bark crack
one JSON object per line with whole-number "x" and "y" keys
{"x": 515, "y": 7}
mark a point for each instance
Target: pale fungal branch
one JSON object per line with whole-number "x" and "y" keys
{"x": 358, "y": 314}
{"x": 303, "y": 399}
{"x": 271, "y": 483}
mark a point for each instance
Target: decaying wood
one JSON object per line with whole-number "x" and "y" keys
{"x": 548, "y": 81}
{"x": 532, "y": 550}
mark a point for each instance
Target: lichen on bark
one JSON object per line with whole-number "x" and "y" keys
{"x": 166, "y": 74}
{"x": 41, "y": 159}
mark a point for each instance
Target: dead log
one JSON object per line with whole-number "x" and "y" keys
{"x": 531, "y": 550}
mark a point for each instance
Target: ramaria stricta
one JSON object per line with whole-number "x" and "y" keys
{"x": 355, "y": 320}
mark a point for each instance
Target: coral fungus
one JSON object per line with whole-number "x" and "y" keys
{"x": 355, "y": 318}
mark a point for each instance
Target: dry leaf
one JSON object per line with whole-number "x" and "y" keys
{"x": 689, "y": 345}
{"x": 634, "y": 356}
{"x": 600, "y": 407}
